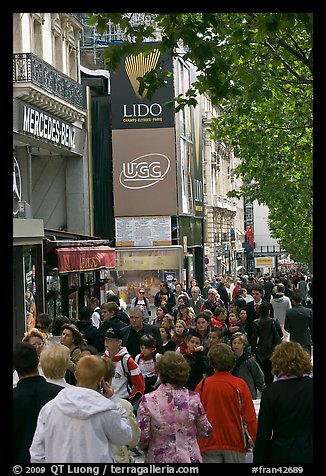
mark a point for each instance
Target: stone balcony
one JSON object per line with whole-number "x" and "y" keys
{"x": 222, "y": 202}
{"x": 42, "y": 85}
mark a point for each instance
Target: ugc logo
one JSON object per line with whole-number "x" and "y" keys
{"x": 144, "y": 171}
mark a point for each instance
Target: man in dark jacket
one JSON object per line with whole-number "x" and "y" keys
{"x": 30, "y": 395}
{"x": 122, "y": 315}
{"x": 137, "y": 328}
{"x": 253, "y": 308}
{"x": 89, "y": 331}
{"x": 165, "y": 290}
{"x": 110, "y": 317}
{"x": 224, "y": 294}
{"x": 298, "y": 321}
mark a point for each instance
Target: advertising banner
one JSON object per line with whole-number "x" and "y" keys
{"x": 144, "y": 172}
{"x": 132, "y": 110}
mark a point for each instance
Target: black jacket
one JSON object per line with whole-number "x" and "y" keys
{"x": 30, "y": 395}
{"x": 285, "y": 423}
{"x": 147, "y": 329}
{"x": 224, "y": 296}
{"x": 298, "y": 322}
{"x": 252, "y": 315}
{"x": 91, "y": 334}
{"x": 248, "y": 369}
{"x": 263, "y": 340}
{"x": 197, "y": 366}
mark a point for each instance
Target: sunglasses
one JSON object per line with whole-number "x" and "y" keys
{"x": 141, "y": 292}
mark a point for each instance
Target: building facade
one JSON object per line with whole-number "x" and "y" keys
{"x": 50, "y": 160}
{"x": 224, "y": 216}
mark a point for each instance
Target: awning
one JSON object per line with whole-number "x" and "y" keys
{"x": 85, "y": 258}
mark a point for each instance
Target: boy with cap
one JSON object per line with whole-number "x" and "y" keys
{"x": 128, "y": 381}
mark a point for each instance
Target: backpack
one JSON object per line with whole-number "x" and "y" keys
{"x": 126, "y": 371}
{"x": 146, "y": 304}
{"x": 149, "y": 381}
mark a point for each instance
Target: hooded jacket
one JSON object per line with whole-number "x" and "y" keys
{"x": 248, "y": 369}
{"x": 280, "y": 304}
{"x": 79, "y": 427}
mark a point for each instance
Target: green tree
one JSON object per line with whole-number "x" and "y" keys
{"x": 259, "y": 68}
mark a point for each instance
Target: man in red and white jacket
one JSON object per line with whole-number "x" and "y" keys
{"x": 128, "y": 381}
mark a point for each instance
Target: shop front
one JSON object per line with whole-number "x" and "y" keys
{"x": 145, "y": 267}
{"x": 75, "y": 271}
{"x": 48, "y": 156}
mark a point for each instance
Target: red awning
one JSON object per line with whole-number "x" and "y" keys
{"x": 85, "y": 258}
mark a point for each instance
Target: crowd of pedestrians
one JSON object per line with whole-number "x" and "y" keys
{"x": 178, "y": 384}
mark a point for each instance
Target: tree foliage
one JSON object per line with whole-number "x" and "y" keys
{"x": 258, "y": 67}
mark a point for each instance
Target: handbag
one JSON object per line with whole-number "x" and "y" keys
{"x": 246, "y": 435}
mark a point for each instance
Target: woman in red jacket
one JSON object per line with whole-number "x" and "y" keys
{"x": 229, "y": 407}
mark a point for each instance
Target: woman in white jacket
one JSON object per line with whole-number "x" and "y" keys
{"x": 81, "y": 425}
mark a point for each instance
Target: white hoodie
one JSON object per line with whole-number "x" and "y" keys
{"x": 78, "y": 426}
{"x": 280, "y": 304}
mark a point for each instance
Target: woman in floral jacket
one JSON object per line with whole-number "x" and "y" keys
{"x": 172, "y": 418}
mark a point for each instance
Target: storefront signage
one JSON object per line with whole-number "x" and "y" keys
{"x": 46, "y": 127}
{"x": 263, "y": 262}
{"x": 88, "y": 258}
{"x": 43, "y": 125}
{"x": 139, "y": 260}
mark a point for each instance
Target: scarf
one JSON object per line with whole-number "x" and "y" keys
{"x": 289, "y": 377}
{"x": 240, "y": 361}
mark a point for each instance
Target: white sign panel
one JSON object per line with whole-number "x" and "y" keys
{"x": 143, "y": 231}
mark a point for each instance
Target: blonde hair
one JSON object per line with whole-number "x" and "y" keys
{"x": 54, "y": 360}
{"x": 34, "y": 333}
{"x": 89, "y": 370}
{"x": 290, "y": 358}
{"x": 182, "y": 322}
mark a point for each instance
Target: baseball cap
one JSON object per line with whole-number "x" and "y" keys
{"x": 112, "y": 333}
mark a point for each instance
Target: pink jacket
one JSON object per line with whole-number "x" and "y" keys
{"x": 171, "y": 419}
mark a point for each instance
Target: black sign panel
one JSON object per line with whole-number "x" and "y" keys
{"x": 47, "y": 128}
{"x": 130, "y": 110}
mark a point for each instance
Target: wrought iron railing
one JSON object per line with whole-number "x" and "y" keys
{"x": 28, "y": 67}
